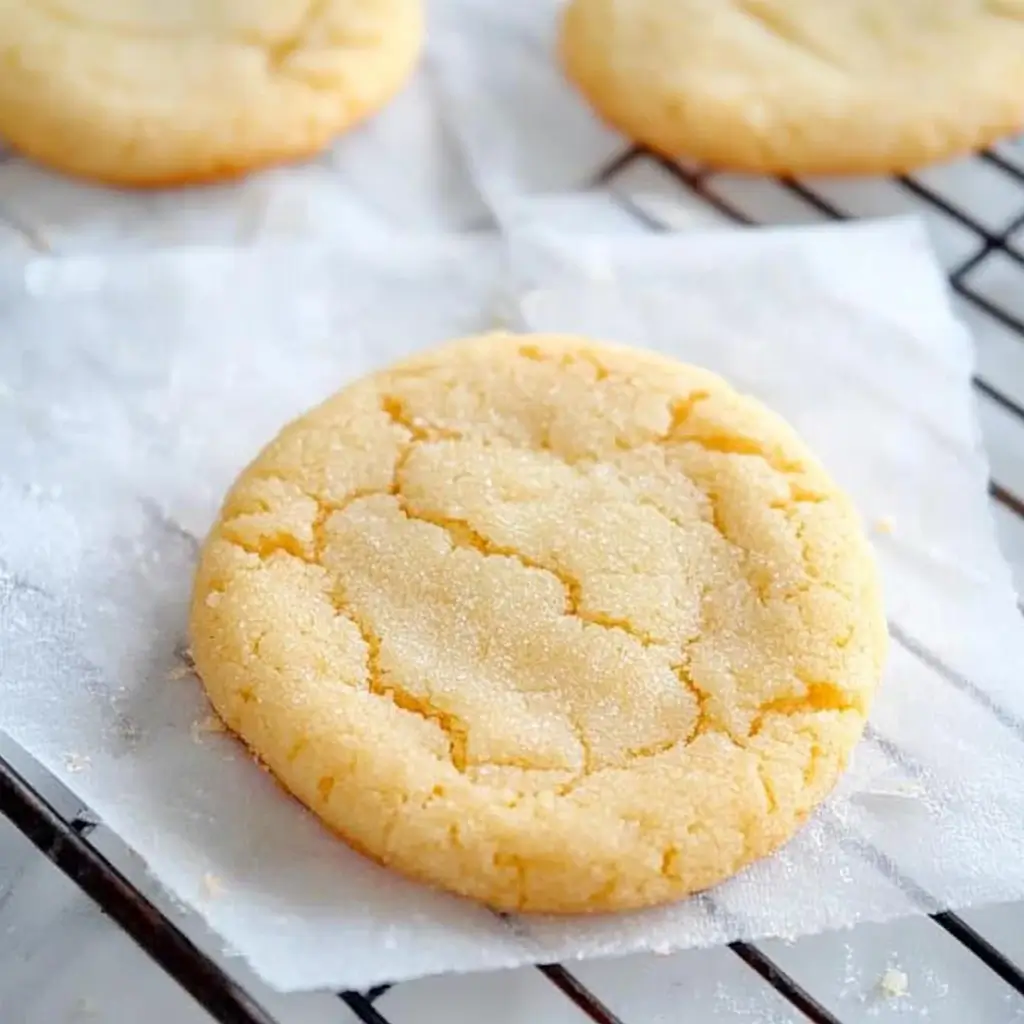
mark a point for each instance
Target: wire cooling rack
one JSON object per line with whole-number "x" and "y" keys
{"x": 967, "y": 240}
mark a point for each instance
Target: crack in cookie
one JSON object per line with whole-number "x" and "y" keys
{"x": 553, "y": 624}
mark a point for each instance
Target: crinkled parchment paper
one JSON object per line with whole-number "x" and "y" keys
{"x": 133, "y": 389}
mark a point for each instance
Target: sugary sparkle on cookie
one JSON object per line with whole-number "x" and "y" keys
{"x": 885, "y": 524}
{"x": 558, "y": 625}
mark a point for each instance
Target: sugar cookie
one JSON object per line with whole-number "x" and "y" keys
{"x": 148, "y": 93}
{"x": 802, "y": 86}
{"x": 558, "y": 625}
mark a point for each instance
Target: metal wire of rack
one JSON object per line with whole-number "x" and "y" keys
{"x": 66, "y": 842}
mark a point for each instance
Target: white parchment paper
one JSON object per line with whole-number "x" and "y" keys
{"x": 523, "y": 130}
{"x": 133, "y": 389}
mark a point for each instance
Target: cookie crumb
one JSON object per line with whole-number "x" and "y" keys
{"x": 885, "y": 524}
{"x": 210, "y": 886}
{"x": 76, "y": 762}
{"x": 204, "y": 726}
{"x": 213, "y": 598}
{"x": 893, "y": 983}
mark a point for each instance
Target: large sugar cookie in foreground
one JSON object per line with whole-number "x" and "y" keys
{"x": 557, "y": 625}
{"x": 802, "y": 86}
{"x": 145, "y": 92}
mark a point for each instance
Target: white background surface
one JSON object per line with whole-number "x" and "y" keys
{"x": 62, "y": 961}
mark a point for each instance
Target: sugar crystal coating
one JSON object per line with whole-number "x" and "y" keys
{"x": 557, "y": 625}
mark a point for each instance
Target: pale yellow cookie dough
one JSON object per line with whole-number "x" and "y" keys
{"x": 146, "y": 92}
{"x": 802, "y": 86}
{"x": 558, "y": 625}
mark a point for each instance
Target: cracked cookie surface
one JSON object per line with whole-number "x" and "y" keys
{"x": 148, "y": 93}
{"x": 557, "y": 625}
{"x": 800, "y": 86}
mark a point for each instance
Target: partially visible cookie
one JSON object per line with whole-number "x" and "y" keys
{"x": 802, "y": 86}
{"x": 147, "y": 93}
{"x": 557, "y": 625}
